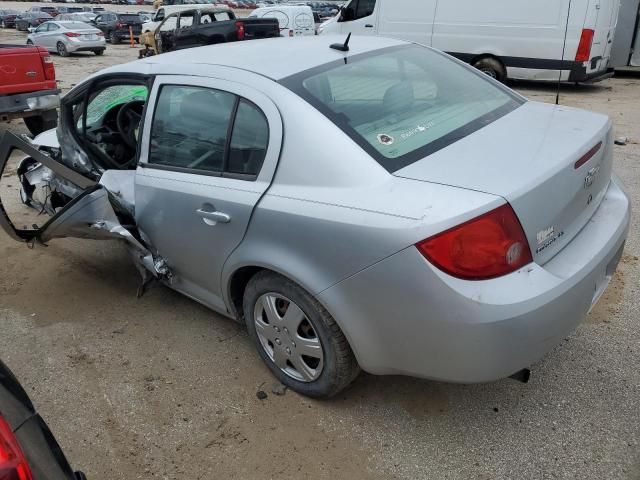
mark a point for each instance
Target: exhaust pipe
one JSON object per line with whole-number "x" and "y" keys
{"x": 522, "y": 376}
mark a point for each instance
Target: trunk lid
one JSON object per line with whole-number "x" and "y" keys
{"x": 528, "y": 157}
{"x": 22, "y": 70}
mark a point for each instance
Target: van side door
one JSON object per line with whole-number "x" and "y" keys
{"x": 360, "y": 17}
{"x": 412, "y": 21}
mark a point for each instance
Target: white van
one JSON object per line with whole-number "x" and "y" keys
{"x": 294, "y": 20}
{"x": 520, "y": 39}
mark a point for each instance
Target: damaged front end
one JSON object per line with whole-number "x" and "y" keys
{"x": 76, "y": 206}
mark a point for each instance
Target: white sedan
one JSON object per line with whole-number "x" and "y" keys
{"x": 68, "y": 37}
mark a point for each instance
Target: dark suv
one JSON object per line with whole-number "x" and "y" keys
{"x": 116, "y": 25}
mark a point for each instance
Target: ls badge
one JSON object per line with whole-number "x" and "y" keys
{"x": 591, "y": 176}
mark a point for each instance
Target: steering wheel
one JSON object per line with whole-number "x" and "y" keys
{"x": 128, "y": 120}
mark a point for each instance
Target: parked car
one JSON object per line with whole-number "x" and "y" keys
{"x": 66, "y": 38}
{"x": 517, "y": 39}
{"x": 384, "y": 232}
{"x": 65, "y": 9}
{"x": 28, "y": 448}
{"x": 31, "y": 19}
{"x": 294, "y": 21}
{"x": 85, "y": 17}
{"x": 115, "y": 26}
{"x": 8, "y": 18}
{"x": 53, "y": 11}
{"x": 206, "y": 26}
{"x": 28, "y": 88}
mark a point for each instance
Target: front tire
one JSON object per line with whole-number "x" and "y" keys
{"x": 29, "y": 42}
{"x": 297, "y": 338}
{"x": 491, "y": 67}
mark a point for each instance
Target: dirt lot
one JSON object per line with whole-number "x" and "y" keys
{"x": 163, "y": 388}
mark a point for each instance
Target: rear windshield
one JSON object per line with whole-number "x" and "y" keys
{"x": 403, "y": 103}
{"x": 130, "y": 18}
{"x": 77, "y": 26}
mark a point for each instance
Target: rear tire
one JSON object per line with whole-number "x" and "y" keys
{"x": 325, "y": 373}
{"x": 29, "y": 42}
{"x": 491, "y": 67}
{"x": 41, "y": 123}
{"x": 62, "y": 49}
{"x": 99, "y": 52}
{"x": 113, "y": 38}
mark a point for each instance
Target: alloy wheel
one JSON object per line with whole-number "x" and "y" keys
{"x": 62, "y": 51}
{"x": 288, "y": 337}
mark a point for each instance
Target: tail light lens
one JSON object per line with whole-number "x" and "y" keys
{"x": 47, "y": 64}
{"x": 489, "y": 246}
{"x": 100, "y": 34}
{"x": 71, "y": 34}
{"x": 120, "y": 25}
{"x": 584, "y": 47}
{"x": 240, "y": 30}
{"x": 13, "y": 464}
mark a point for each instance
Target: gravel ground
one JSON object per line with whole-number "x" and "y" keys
{"x": 163, "y": 388}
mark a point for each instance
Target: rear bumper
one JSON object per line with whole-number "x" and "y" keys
{"x": 579, "y": 74}
{"x": 28, "y": 104}
{"x": 86, "y": 46}
{"x": 403, "y": 316}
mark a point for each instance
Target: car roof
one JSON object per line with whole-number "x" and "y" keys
{"x": 273, "y": 57}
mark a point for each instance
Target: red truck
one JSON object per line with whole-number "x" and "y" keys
{"x": 28, "y": 87}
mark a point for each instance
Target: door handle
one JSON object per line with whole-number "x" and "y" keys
{"x": 212, "y": 218}
{"x": 368, "y": 25}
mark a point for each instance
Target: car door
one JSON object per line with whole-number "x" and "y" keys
{"x": 101, "y": 23}
{"x": 52, "y": 35}
{"x": 40, "y": 35}
{"x": 185, "y": 34}
{"x": 209, "y": 152}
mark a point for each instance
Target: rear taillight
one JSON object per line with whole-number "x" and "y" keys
{"x": 584, "y": 47}
{"x": 240, "y": 30}
{"x": 489, "y": 246}
{"x": 47, "y": 64}
{"x": 100, "y": 34}
{"x": 120, "y": 25}
{"x": 71, "y": 34}
{"x": 13, "y": 464}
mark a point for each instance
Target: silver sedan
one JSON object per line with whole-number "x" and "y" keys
{"x": 67, "y": 37}
{"x": 377, "y": 206}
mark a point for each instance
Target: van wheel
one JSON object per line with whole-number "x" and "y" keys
{"x": 296, "y": 337}
{"x": 492, "y": 67}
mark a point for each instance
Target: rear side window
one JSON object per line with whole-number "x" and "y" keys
{"x": 222, "y": 16}
{"x": 130, "y": 18}
{"x": 403, "y": 103}
{"x": 249, "y": 140}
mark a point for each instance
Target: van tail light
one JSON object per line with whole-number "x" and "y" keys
{"x": 240, "y": 30}
{"x": 584, "y": 47}
{"x": 71, "y": 34}
{"x": 489, "y": 246}
{"x": 13, "y": 463}
{"x": 47, "y": 64}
